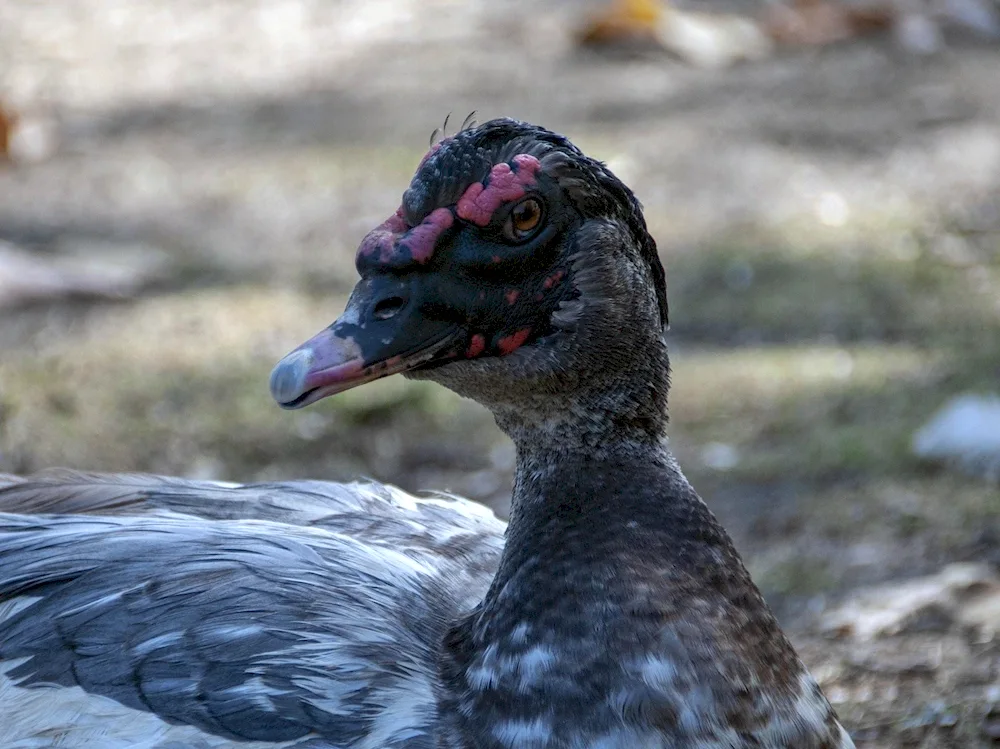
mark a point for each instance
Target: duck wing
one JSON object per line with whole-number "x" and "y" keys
{"x": 210, "y": 613}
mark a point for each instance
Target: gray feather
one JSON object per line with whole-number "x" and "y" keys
{"x": 380, "y": 514}
{"x": 304, "y": 608}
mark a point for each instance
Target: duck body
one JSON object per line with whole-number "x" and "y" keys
{"x": 312, "y": 614}
{"x": 640, "y": 628}
{"x": 190, "y": 615}
{"x": 613, "y": 611}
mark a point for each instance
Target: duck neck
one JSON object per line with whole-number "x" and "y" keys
{"x": 613, "y": 419}
{"x": 587, "y": 462}
{"x": 549, "y": 454}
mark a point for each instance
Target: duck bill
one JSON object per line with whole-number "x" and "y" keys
{"x": 358, "y": 348}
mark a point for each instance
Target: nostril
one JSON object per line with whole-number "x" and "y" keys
{"x": 388, "y": 308}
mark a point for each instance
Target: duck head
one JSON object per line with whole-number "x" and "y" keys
{"x": 517, "y": 271}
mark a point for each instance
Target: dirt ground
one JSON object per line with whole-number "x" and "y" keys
{"x": 830, "y": 223}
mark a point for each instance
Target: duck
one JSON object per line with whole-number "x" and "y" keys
{"x": 611, "y": 611}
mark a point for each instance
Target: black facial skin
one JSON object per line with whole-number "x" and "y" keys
{"x": 478, "y": 282}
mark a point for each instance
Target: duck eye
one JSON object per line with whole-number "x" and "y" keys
{"x": 524, "y": 219}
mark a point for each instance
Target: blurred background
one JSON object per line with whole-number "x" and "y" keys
{"x": 183, "y": 186}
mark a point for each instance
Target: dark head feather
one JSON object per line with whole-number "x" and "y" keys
{"x": 467, "y": 156}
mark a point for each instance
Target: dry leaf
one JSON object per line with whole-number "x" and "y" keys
{"x": 624, "y": 22}
{"x": 7, "y": 121}
{"x": 821, "y": 22}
